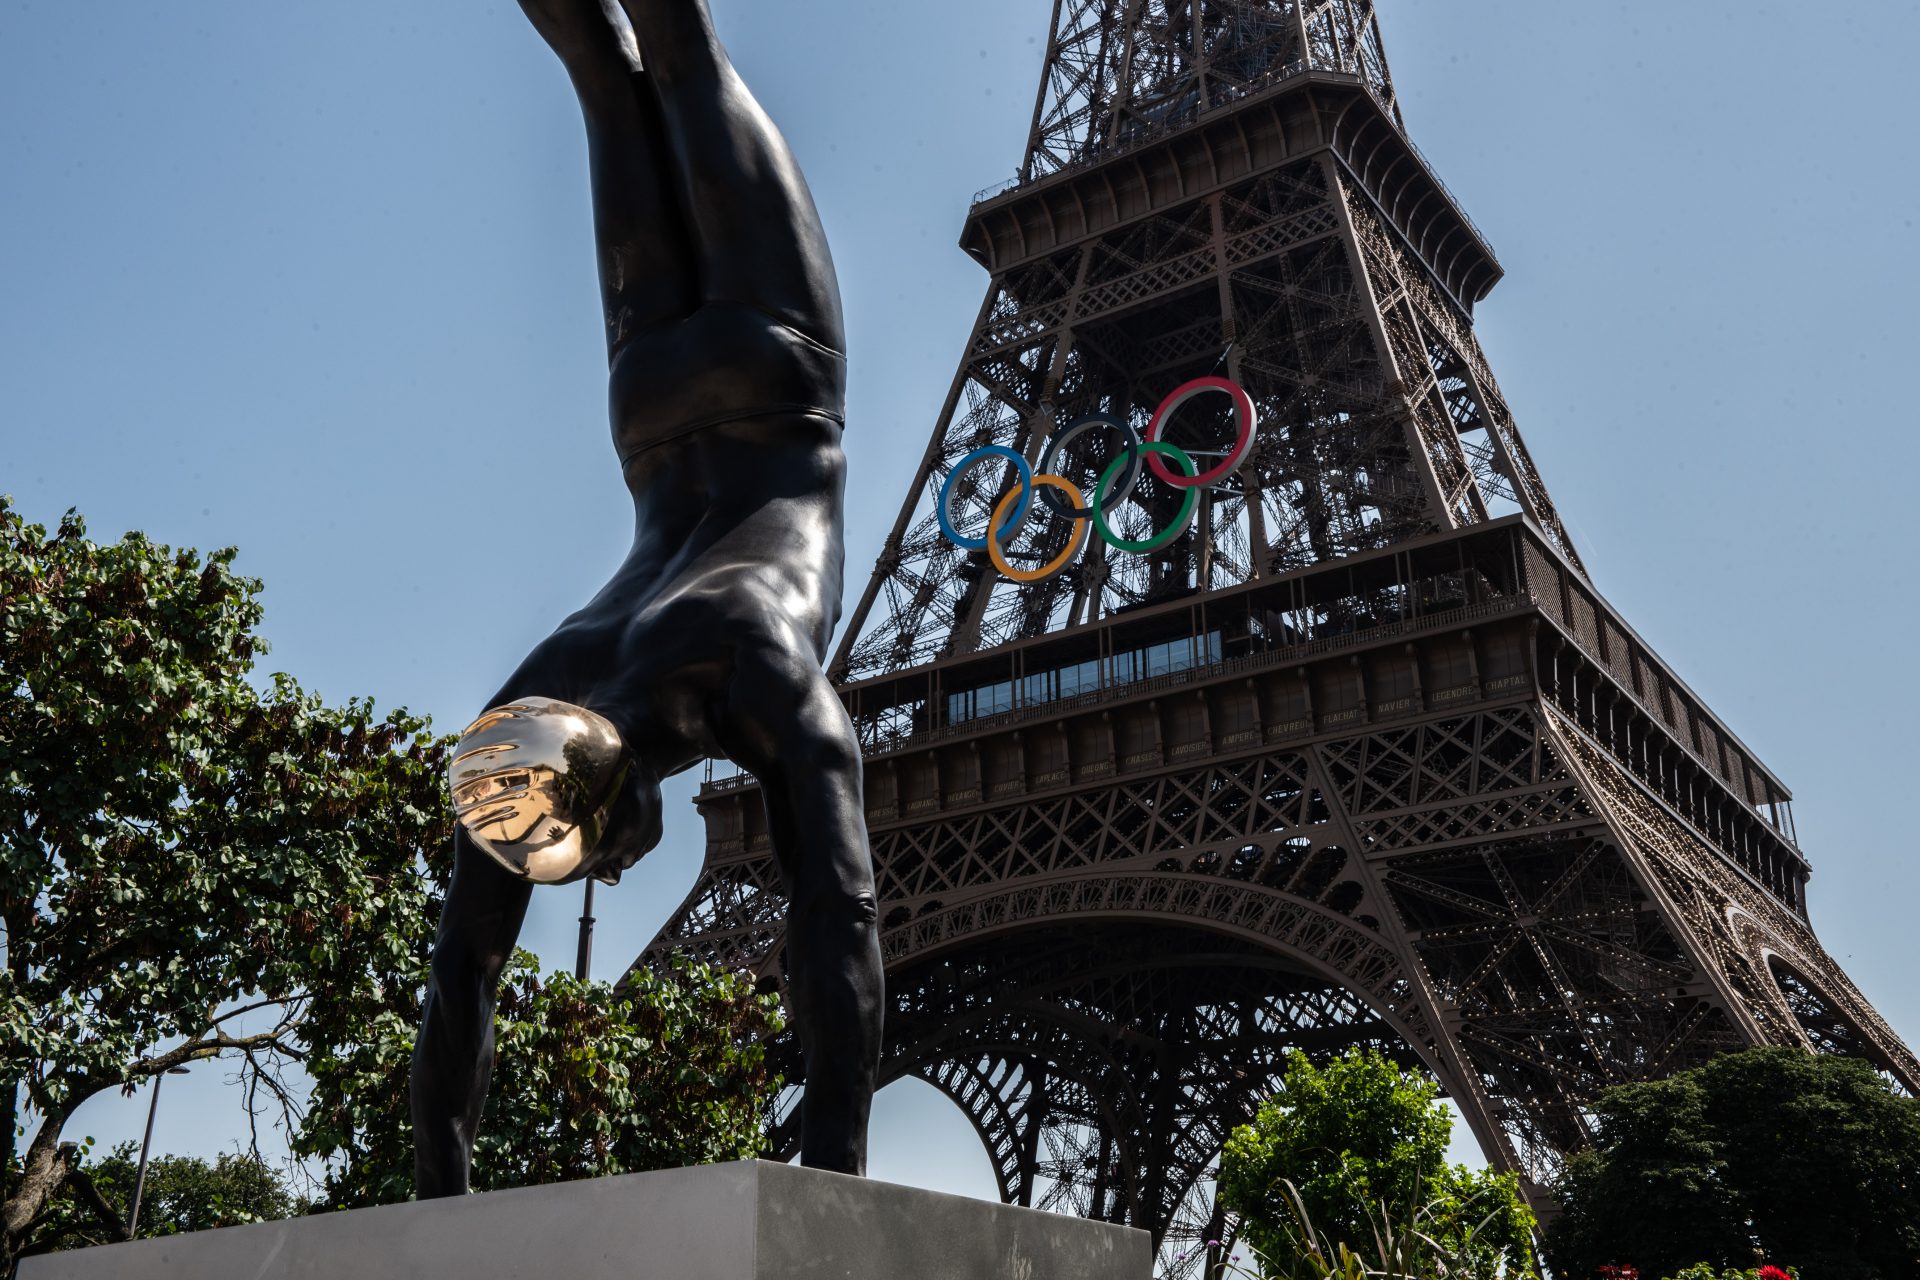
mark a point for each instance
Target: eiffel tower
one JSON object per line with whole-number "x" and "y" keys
{"x": 1362, "y": 756}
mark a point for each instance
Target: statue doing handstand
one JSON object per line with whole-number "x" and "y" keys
{"x": 727, "y": 391}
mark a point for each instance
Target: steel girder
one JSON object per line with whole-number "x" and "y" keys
{"x": 1111, "y": 326}
{"x": 1120, "y": 71}
{"x": 1380, "y": 420}
{"x": 1110, "y": 972}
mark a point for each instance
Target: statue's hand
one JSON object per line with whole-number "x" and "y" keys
{"x": 633, "y": 827}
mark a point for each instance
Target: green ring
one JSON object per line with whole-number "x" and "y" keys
{"x": 1173, "y": 530}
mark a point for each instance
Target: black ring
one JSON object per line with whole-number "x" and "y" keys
{"x": 1055, "y": 503}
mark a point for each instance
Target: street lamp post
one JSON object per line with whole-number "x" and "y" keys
{"x": 584, "y": 956}
{"x": 140, "y": 1178}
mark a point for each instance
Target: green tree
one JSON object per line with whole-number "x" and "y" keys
{"x": 183, "y": 1193}
{"x": 590, "y": 1079}
{"x": 1812, "y": 1160}
{"x": 1357, "y": 1138}
{"x": 191, "y": 866}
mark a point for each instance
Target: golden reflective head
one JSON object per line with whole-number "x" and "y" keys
{"x": 533, "y": 782}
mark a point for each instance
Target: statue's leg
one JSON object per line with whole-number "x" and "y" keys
{"x": 759, "y": 245}
{"x": 756, "y": 231}
{"x": 792, "y": 732}
{"x": 645, "y": 249}
{"x": 453, "y": 1057}
{"x": 479, "y": 924}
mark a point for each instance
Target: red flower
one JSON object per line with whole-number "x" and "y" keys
{"x": 1773, "y": 1273}
{"x": 1627, "y": 1271}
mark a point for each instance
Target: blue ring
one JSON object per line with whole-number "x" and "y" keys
{"x": 1014, "y": 520}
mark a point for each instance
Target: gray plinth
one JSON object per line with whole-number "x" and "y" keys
{"x": 747, "y": 1221}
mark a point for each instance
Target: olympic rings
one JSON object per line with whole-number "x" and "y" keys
{"x": 1243, "y": 411}
{"x": 1115, "y": 484}
{"x": 1054, "y": 565}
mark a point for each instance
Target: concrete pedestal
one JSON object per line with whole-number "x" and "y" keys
{"x": 747, "y": 1221}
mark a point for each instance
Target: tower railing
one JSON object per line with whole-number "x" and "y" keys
{"x": 1191, "y": 115}
{"x": 875, "y": 739}
{"x": 1172, "y": 123}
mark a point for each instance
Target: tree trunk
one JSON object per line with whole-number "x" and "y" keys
{"x": 42, "y": 1174}
{"x": 83, "y": 1185}
{"x": 10, "y": 1118}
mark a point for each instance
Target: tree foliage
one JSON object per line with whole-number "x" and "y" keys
{"x": 1356, "y": 1141}
{"x": 176, "y": 843}
{"x": 183, "y": 1193}
{"x": 1809, "y": 1160}
{"x": 668, "y": 1069}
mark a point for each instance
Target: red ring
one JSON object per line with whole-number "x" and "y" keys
{"x": 1242, "y": 409}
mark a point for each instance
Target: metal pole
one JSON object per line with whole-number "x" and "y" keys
{"x": 140, "y": 1178}
{"x": 585, "y": 955}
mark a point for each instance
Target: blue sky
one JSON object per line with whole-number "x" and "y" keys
{"x": 317, "y": 280}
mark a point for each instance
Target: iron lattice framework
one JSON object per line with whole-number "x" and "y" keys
{"x": 1363, "y": 758}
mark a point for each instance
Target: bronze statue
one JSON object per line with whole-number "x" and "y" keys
{"x": 727, "y": 393}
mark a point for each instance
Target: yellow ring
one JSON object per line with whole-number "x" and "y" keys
{"x": 1059, "y": 562}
